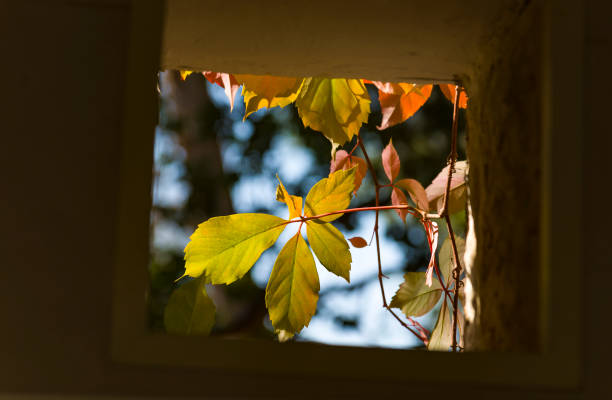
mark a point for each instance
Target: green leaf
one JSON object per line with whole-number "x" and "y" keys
{"x": 446, "y": 257}
{"x": 330, "y": 247}
{"x": 442, "y": 336}
{"x": 190, "y": 311}
{"x": 293, "y": 287}
{"x": 330, "y": 194}
{"x": 294, "y": 203}
{"x": 335, "y": 107}
{"x": 414, "y": 297}
{"x": 225, "y": 248}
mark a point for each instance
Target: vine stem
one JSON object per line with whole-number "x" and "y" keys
{"x": 452, "y": 158}
{"x": 422, "y": 334}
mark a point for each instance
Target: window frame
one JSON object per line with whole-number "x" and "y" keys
{"x": 559, "y": 365}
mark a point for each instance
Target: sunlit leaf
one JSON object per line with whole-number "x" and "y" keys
{"x": 414, "y": 297}
{"x": 263, "y": 91}
{"x": 294, "y": 203}
{"x": 225, "y": 248}
{"x": 358, "y": 242}
{"x": 335, "y": 107}
{"x": 399, "y": 198}
{"x": 330, "y": 194}
{"x": 399, "y": 101}
{"x": 449, "y": 92}
{"x": 190, "y": 311}
{"x": 342, "y": 160}
{"x": 226, "y": 81}
{"x": 390, "y": 161}
{"x": 292, "y": 291}
{"x": 415, "y": 191}
{"x": 185, "y": 73}
{"x": 442, "y": 336}
{"x": 330, "y": 247}
{"x": 458, "y": 194}
{"x": 445, "y": 257}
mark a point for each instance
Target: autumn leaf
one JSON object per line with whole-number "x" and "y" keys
{"x": 449, "y": 92}
{"x": 415, "y": 191}
{"x": 225, "y": 248}
{"x": 294, "y": 203}
{"x": 343, "y": 160}
{"x": 390, "y": 161}
{"x": 262, "y": 91}
{"x": 185, "y": 74}
{"x": 398, "y": 198}
{"x": 335, "y": 107}
{"x": 330, "y": 247}
{"x": 399, "y": 101}
{"x": 330, "y": 194}
{"x": 458, "y": 192}
{"x": 442, "y": 336}
{"x": 414, "y": 297}
{"x": 226, "y": 81}
{"x": 190, "y": 311}
{"x": 358, "y": 242}
{"x": 293, "y": 287}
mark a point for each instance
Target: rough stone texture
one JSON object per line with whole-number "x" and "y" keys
{"x": 504, "y": 148}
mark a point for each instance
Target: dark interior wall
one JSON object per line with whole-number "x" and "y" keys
{"x": 64, "y": 68}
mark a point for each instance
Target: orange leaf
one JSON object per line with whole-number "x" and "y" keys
{"x": 398, "y": 198}
{"x": 344, "y": 161}
{"x": 390, "y": 161}
{"x": 449, "y": 93}
{"x": 416, "y": 191}
{"x": 267, "y": 91}
{"x": 226, "y": 81}
{"x": 399, "y": 101}
{"x": 358, "y": 242}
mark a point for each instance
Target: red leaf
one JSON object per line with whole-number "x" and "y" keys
{"x": 397, "y": 198}
{"x": 226, "y": 81}
{"x": 390, "y": 161}
{"x": 449, "y": 93}
{"x": 399, "y": 101}
{"x": 416, "y": 192}
{"x": 344, "y": 161}
{"x": 358, "y": 242}
{"x": 338, "y": 161}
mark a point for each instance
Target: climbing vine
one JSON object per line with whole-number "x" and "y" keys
{"x": 223, "y": 249}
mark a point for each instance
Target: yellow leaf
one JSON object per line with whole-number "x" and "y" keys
{"x": 294, "y": 203}
{"x": 225, "y": 248}
{"x": 330, "y": 194}
{"x": 293, "y": 287}
{"x": 185, "y": 73}
{"x": 330, "y": 247}
{"x": 335, "y": 107}
{"x": 190, "y": 310}
{"x": 267, "y": 91}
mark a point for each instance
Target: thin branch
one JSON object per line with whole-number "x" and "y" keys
{"x": 457, "y": 270}
{"x": 422, "y": 332}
